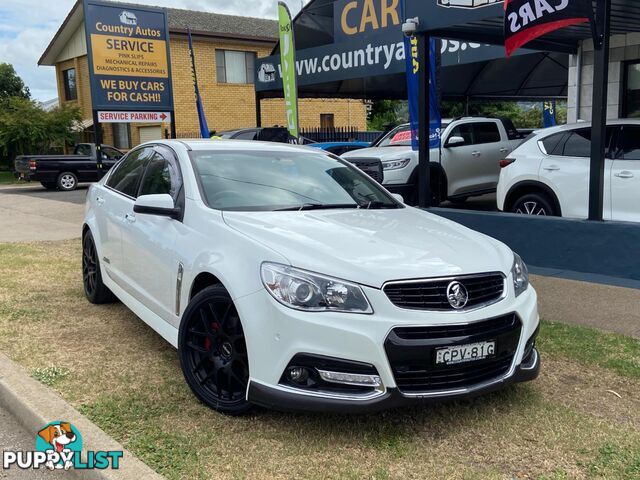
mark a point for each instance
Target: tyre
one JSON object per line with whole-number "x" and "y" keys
{"x": 67, "y": 181}
{"x": 49, "y": 185}
{"x": 94, "y": 289}
{"x": 438, "y": 190}
{"x": 534, "y": 204}
{"x": 213, "y": 351}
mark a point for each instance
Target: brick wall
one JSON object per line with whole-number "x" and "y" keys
{"x": 227, "y": 106}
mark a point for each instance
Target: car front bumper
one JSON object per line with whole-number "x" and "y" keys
{"x": 275, "y": 334}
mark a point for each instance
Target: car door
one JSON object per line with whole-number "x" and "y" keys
{"x": 492, "y": 145}
{"x": 110, "y": 157}
{"x": 148, "y": 240}
{"x": 565, "y": 169}
{"x": 625, "y": 175}
{"x": 113, "y": 201}
{"x": 462, "y": 162}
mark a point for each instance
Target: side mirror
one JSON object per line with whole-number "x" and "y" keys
{"x": 455, "y": 142}
{"x": 398, "y": 197}
{"x": 159, "y": 204}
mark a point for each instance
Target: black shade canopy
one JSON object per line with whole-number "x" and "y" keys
{"x": 470, "y": 69}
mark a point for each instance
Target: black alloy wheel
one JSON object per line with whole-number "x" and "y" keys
{"x": 94, "y": 289}
{"x": 534, "y": 204}
{"x": 213, "y": 351}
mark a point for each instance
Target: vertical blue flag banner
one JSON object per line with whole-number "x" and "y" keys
{"x": 549, "y": 114}
{"x": 204, "y": 128}
{"x": 412, "y": 69}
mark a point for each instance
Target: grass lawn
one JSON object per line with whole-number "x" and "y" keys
{"x": 7, "y": 178}
{"x": 567, "y": 424}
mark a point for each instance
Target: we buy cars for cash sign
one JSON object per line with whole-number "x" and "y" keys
{"x": 526, "y": 20}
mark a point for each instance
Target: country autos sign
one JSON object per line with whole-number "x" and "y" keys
{"x": 128, "y": 49}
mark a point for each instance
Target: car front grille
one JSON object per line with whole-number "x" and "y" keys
{"x": 372, "y": 167}
{"x": 412, "y": 354}
{"x": 431, "y": 294}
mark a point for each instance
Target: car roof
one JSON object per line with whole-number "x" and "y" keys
{"x": 573, "y": 126}
{"x": 200, "y": 144}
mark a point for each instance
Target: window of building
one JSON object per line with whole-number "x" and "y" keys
{"x": 326, "y": 120}
{"x": 121, "y": 135}
{"x": 70, "y": 88}
{"x": 631, "y": 107}
{"x": 234, "y": 67}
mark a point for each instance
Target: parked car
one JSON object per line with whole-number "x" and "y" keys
{"x": 339, "y": 148}
{"x": 549, "y": 173}
{"x": 64, "y": 172}
{"x": 471, "y": 149}
{"x": 264, "y": 134}
{"x": 287, "y": 278}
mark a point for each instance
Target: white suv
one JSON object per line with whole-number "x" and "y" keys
{"x": 471, "y": 150}
{"x": 289, "y": 279}
{"x": 549, "y": 173}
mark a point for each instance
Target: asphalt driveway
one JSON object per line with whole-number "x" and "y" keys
{"x": 31, "y": 213}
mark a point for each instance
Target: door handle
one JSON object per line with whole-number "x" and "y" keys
{"x": 551, "y": 168}
{"x": 624, "y": 174}
{"x": 475, "y": 154}
{"x": 130, "y": 218}
{"x": 100, "y": 200}
{"x": 504, "y": 150}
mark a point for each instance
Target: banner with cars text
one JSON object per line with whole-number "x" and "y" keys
{"x": 128, "y": 50}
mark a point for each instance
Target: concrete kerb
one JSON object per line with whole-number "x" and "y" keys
{"x": 34, "y": 405}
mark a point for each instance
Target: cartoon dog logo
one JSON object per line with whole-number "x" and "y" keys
{"x": 128, "y": 18}
{"x": 267, "y": 73}
{"x": 59, "y": 436}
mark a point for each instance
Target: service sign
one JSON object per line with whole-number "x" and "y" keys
{"x": 134, "y": 117}
{"x": 128, "y": 57}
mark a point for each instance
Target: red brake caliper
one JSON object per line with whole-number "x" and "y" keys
{"x": 207, "y": 343}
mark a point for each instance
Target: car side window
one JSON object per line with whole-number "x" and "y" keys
{"x": 111, "y": 153}
{"x": 127, "y": 174}
{"x": 83, "y": 149}
{"x": 578, "y": 143}
{"x": 486, "y": 132}
{"x": 629, "y": 143}
{"x": 465, "y": 131}
{"x": 250, "y": 135}
{"x": 554, "y": 144}
{"x": 161, "y": 176}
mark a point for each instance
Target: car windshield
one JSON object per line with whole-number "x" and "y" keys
{"x": 281, "y": 180}
{"x": 401, "y": 136}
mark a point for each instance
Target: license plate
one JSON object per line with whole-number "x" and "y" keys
{"x": 465, "y": 353}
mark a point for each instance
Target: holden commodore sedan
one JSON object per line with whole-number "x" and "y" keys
{"x": 287, "y": 278}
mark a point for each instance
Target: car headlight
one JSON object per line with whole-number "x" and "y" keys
{"x": 303, "y": 290}
{"x": 395, "y": 164}
{"x": 520, "y": 274}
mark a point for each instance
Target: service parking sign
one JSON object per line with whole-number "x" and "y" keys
{"x": 129, "y": 62}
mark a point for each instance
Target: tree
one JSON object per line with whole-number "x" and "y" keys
{"x": 26, "y": 128}
{"x": 11, "y": 85}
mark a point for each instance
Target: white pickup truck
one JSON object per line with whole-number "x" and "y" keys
{"x": 472, "y": 148}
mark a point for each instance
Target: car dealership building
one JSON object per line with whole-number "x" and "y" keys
{"x": 226, "y": 48}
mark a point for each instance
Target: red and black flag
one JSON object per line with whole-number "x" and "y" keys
{"x": 526, "y": 20}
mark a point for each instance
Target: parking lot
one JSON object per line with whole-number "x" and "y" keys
{"x": 31, "y": 213}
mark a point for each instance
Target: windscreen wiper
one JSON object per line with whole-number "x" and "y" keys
{"x": 317, "y": 206}
{"x": 377, "y": 204}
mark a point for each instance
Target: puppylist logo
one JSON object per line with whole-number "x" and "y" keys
{"x": 59, "y": 447}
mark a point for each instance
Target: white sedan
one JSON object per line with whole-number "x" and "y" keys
{"x": 548, "y": 174}
{"x": 288, "y": 278}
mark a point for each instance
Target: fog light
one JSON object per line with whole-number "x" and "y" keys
{"x": 351, "y": 378}
{"x": 298, "y": 374}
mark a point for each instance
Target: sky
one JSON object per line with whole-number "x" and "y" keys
{"x": 27, "y": 27}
